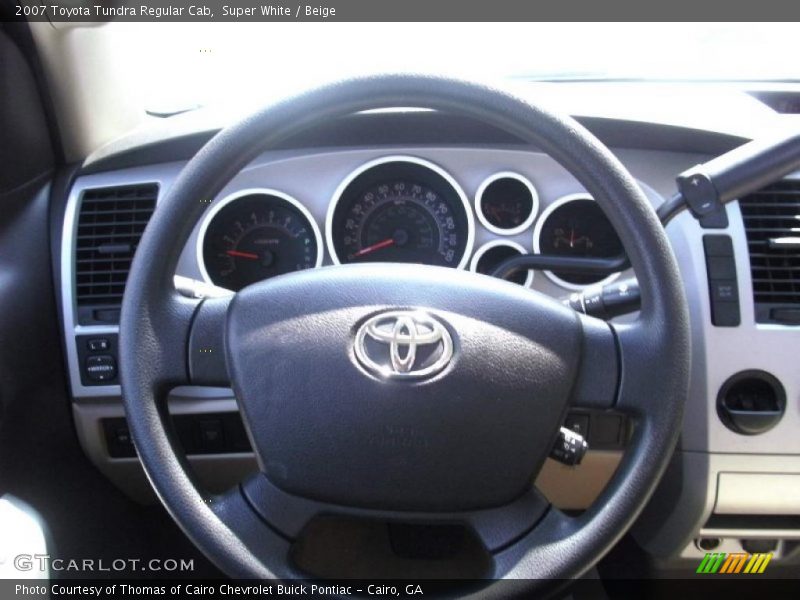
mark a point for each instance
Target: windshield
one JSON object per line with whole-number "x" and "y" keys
{"x": 178, "y": 66}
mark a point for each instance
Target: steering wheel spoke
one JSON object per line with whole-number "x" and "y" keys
{"x": 496, "y": 528}
{"x": 597, "y": 380}
{"x": 644, "y": 377}
{"x": 161, "y": 341}
{"x": 206, "y": 343}
{"x": 542, "y": 546}
{"x": 618, "y": 362}
{"x": 254, "y": 537}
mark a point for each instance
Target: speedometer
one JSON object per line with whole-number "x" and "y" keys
{"x": 400, "y": 209}
{"x": 254, "y": 235}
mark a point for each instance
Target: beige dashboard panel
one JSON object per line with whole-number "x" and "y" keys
{"x": 575, "y": 488}
{"x": 758, "y": 494}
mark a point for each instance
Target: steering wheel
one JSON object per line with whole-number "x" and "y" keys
{"x": 459, "y": 441}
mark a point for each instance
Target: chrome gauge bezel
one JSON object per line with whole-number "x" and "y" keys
{"x": 479, "y": 203}
{"x": 399, "y": 158}
{"x": 218, "y": 206}
{"x": 473, "y": 265}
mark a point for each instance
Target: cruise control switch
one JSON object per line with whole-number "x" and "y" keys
{"x": 569, "y": 447}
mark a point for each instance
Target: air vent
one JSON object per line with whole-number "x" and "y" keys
{"x": 772, "y": 222}
{"x": 110, "y": 224}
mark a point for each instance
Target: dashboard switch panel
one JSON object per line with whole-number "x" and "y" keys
{"x": 197, "y": 434}
{"x": 97, "y": 356}
{"x": 723, "y": 288}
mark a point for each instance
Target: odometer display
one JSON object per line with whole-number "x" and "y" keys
{"x": 257, "y": 235}
{"x": 401, "y": 212}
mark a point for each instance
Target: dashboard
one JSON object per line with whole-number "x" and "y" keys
{"x": 387, "y": 192}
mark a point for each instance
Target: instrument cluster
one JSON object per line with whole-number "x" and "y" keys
{"x": 401, "y": 209}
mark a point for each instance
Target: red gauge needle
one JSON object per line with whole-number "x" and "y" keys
{"x": 238, "y": 254}
{"x": 378, "y": 246}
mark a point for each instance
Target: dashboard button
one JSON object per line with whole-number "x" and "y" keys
{"x": 721, "y": 267}
{"x": 98, "y": 344}
{"x": 212, "y": 438}
{"x": 101, "y": 368}
{"x": 724, "y": 290}
{"x": 118, "y": 438}
{"x": 718, "y": 245}
{"x": 725, "y": 314}
{"x": 122, "y": 436}
{"x": 578, "y": 423}
{"x": 606, "y": 431}
{"x": 120, "y": 444}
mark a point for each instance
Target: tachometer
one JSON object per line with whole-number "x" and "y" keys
{"x": 254, "y": 235}
{"x": 400, "y": 209}
{"x": 576, "y": 226}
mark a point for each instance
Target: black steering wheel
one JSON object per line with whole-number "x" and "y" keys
{"x": 461, "y": 441}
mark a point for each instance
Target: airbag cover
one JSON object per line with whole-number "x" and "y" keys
{"x": 468, "y": 434}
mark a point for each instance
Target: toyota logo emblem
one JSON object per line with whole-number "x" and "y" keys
{"x": 403, "y": 344}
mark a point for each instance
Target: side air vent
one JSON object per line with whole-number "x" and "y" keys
{"x": 110, "y": 224}
{"x": 772, "y": 222}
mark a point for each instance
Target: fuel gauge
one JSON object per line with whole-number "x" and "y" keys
{"x": 506, "y": 203}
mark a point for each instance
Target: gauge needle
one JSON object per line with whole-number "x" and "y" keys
{"x": 378, "y": 246}
{"x": 238, "y": 254}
